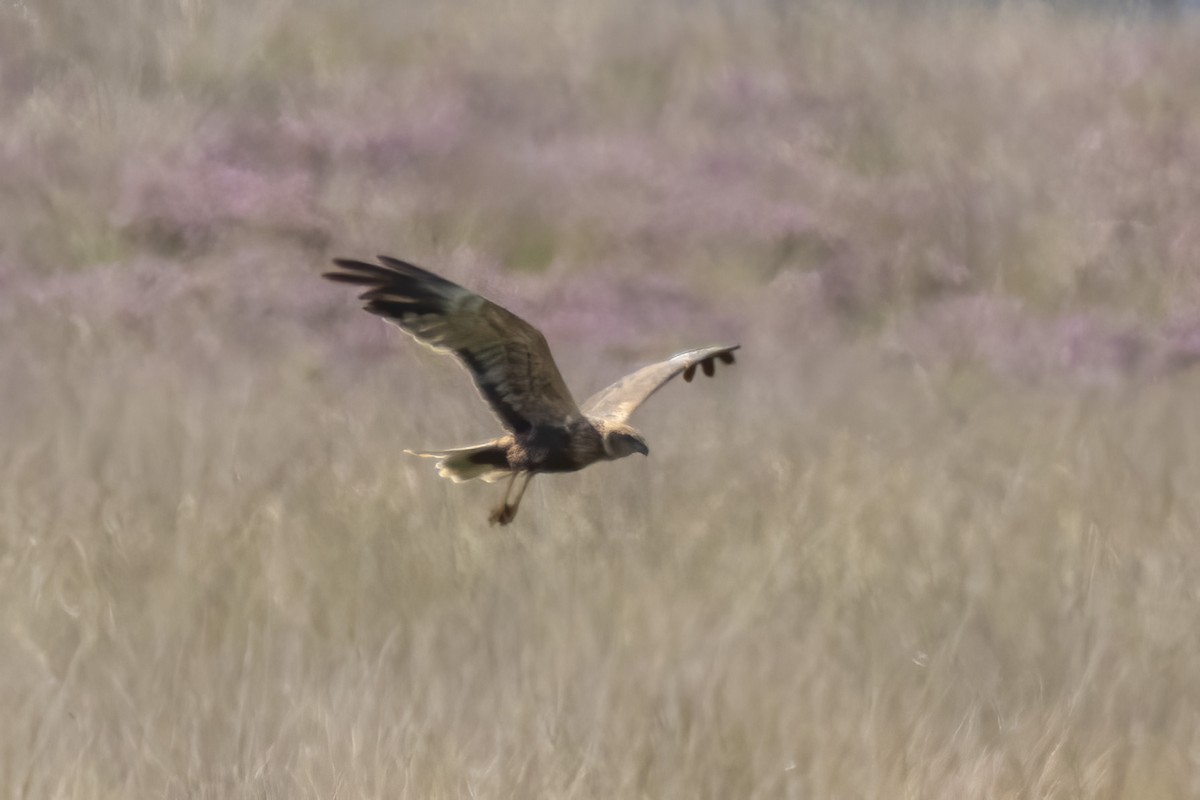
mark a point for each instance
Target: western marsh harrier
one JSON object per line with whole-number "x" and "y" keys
{"x": 511, "y": 365}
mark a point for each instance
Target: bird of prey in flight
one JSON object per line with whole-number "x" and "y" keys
{"x": 513, "y": 369}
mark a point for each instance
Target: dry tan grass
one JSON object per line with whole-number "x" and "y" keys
{"x": 934, "y": 536}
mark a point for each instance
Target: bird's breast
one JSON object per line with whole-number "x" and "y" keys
{"x": 557, "y": 448}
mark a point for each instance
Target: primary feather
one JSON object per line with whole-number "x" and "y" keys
{"x": 507, "y": 357}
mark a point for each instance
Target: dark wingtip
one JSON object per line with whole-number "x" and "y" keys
{"x": 346, "y": 277}
{"x": 353, "y": 264}
{"x": 357, "y": 272}
{"x": 402, "y": 266}
{"x": 411, "y": 270}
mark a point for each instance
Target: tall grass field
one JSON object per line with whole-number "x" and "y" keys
{"x": 935, "y": 535}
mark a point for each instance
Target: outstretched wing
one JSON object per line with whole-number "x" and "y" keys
{"x": 507, "y": 357}
{"x": 618, "y": 401}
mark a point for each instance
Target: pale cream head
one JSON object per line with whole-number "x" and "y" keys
{"x": 622, "y": 440}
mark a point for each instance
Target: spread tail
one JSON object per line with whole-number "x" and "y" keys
{"x": 488, "y": 461}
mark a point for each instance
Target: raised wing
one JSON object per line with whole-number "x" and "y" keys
{"x": 507, "y": 357}
{"x": 620, "y": 400}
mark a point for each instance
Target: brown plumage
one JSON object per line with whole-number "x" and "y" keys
{"x": 513, "y": 369}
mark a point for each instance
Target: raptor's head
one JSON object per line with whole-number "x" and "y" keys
{"x": 621, "y": 440}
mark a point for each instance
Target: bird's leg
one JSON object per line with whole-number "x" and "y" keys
{"x": 516, "y": 502}
{"x": 504, "y": 513}
{"x": 500, "y": 513}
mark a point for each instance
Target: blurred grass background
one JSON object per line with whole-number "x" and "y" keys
{"x": 933, "y": 536}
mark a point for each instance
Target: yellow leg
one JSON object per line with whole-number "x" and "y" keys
{"x": 504, "y": 513}
{"x": 528, "y": 476}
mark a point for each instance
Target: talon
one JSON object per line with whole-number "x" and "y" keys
{"x": 726, "y": 358}
{"x": 708, "y": 366}
{"x": 502, "y": 515}
{"x": 689, "y": 373}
